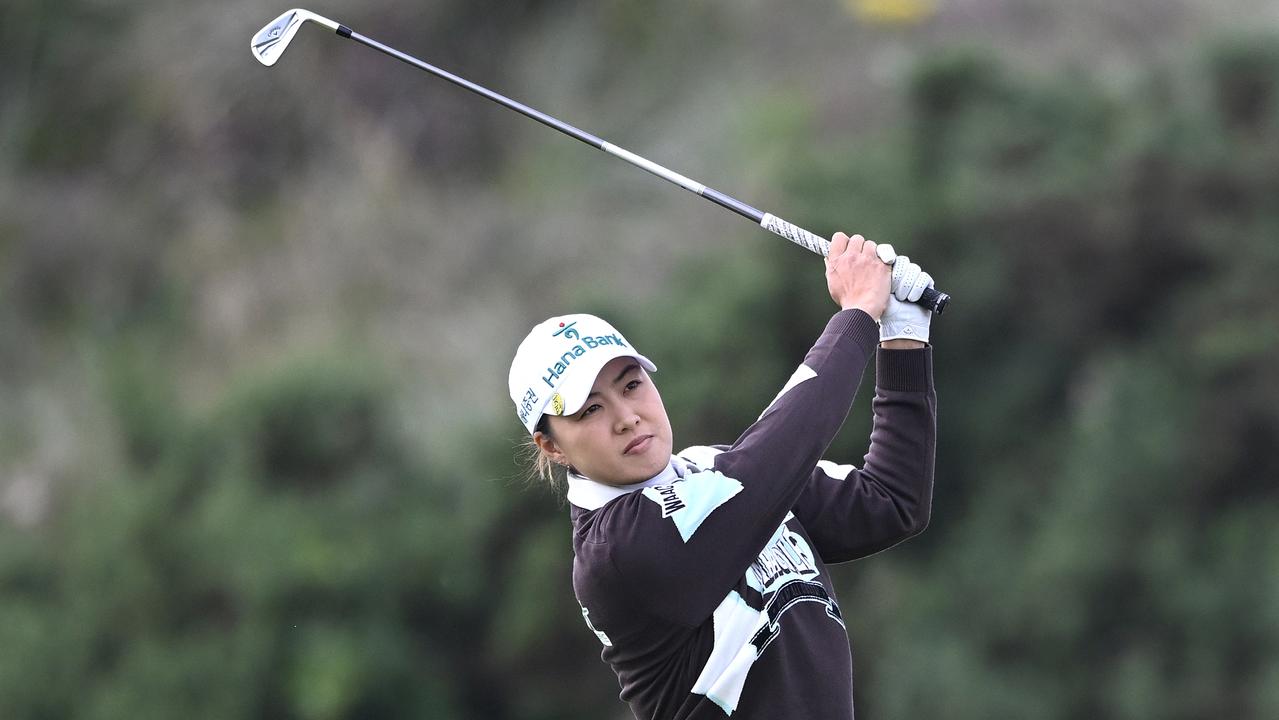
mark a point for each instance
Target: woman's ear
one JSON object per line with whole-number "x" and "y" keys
{"x": 550, "y": 448}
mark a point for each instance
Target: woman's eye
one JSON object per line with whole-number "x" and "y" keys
{"x": 590, "y": 410}
{"x": 632, "y": 384}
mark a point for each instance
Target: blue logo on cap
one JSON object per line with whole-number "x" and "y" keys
{"x": 567, "y": 331}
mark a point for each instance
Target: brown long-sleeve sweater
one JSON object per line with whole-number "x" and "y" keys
{"x": 708, "y": 584}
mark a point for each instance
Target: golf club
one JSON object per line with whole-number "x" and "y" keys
{"x": 271, "y": 42}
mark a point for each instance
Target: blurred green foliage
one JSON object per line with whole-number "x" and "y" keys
{"x": 286, "y": 555}
{"x": 245, "y": 524}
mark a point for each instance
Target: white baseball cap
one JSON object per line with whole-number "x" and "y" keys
{"x": 556, "y": 364}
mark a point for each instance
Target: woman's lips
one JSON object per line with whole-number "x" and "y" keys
{"x": 639, "y": 444}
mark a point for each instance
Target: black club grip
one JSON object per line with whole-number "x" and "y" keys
{"x": 934, "y": 300}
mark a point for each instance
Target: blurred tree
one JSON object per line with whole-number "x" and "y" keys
{"x": 1101, "y": 462}
{"x": 290, "y": 556}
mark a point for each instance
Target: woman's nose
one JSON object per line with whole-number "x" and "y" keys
{"x": 626, "y": 420}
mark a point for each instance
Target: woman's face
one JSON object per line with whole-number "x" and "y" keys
{"x": 621, "y": 435}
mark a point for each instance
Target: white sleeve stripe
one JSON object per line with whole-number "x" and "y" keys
{"x": 723, "y": 677}
{"x": 839, "y": 472}
{"x": 801, "y": 374}
{"x": 703, "y": 456}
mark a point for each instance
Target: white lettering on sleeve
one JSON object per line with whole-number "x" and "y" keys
{"x": 689, "y": 501}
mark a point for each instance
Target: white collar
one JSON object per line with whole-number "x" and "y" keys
{"x": 591, "y": 495}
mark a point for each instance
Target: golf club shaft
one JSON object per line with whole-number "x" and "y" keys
{"x": 932, "y": 299}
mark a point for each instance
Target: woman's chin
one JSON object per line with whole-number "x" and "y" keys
{"x": 653, "y": 461}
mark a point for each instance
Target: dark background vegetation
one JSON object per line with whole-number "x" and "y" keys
{"x": 255, "y": 444}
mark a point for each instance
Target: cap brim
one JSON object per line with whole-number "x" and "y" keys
{"x": 577, "y": 386}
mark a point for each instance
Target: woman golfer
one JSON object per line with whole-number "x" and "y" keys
{"x": 704, "y": 574}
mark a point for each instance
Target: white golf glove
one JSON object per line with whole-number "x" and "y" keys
{"x": 903, "y": 318}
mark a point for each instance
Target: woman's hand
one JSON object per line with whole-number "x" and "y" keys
{"x": 856, "y": 276}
